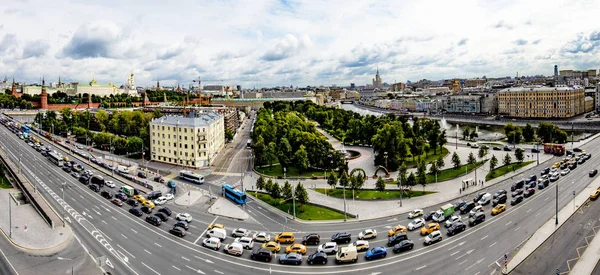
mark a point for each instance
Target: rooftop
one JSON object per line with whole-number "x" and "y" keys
{"x": 203, "y": 120}
{"x": 542, "y": 89}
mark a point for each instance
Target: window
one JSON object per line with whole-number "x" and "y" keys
{"x": 163, "y": 143}
{"x": 169, "y": 128}
{"x": 186, "y": 154}
{"x": 152, "y": 127}
{"x": 185, "y": 138}
{"x": 185, "y": 130}
{"x": 163, "y": 135}
{"x": 185, "y": 148}
{"x": 192, "y": 146}
{"x": 153, "y": 141}
{"x": 163, "y": 128}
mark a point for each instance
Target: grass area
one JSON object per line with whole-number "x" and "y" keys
{"x": 371, "y": 194}
{"x": 451, "y": 173}
{"x": 500, "y": 171}
{"x": 428, "y": 157}
{"x": 4, "y": 184}
{"x": 492, "y": 143}
{"x": 277, "y": 171}
{"x": 303, "y": 211}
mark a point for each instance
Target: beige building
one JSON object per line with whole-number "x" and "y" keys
{"x": 187, "y": 141}
{"x": 547, "y": 102}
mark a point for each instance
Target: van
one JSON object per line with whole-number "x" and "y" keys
{"x": 219, "y": 233}
{"x": 517, "y": 185}
{"x": 487, "y": 198}
{"x": 346, "y": 255}
{"x": 122, "y": 169}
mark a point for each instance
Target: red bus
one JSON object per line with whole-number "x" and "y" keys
{"x": 555, "y": 149}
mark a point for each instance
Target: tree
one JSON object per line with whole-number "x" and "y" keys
{"x": 473, "y": 135}
{"x": 332, "y": 180}
{"x": 228, "y": 134}
{"x": 287, "y": 190}
{"x": 301, "y": 194}
{"x": 455, "y": 160}
{"x": 269, "y": 185}
{"x": 440, "y": 162}
{"x": 402, "y": 175}
{"x": 380, "y": 184}
{"x": 344, "y": 179}
{"x": 357, "y": 181}
{"x": 528, "y": 133}
{"x": 519, "y": 154}
{"x": 260, "y": 183}
{"x": 421, "y": 174}
{"x": 411, "y": 180}
{"x": 275, "y": 191}
{"x": 507, "y": 159}
{"x": 301, "y": 157}
{"x": 483, "y": 151}
{"x": 471, "y": 159}
{"x": 493, "y": 163}
{"x": 433, "y": 168}
{"x": 102, "y": 118}
{"x": 466, "y": 132}
{"x": 134, "y": 144}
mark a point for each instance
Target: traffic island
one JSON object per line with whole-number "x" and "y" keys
{"x": 304, "y": 211}
{"x": 225, "y": 208}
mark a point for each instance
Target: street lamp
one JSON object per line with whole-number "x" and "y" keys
{"x": 9, "y": 216}
{"x": 385, "y": 156}
{"x": 67, "y": 259}
{"x": 344, "y": 194}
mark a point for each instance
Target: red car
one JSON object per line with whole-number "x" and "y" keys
{"x": 117, "y": 202}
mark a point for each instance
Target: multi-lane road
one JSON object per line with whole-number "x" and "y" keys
{"x": 133, "y": 246}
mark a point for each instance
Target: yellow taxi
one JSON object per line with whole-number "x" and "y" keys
{"x": 498, "y": 209}
{"x": 296, "y": 248}
{"x": 148, "y": 203}
{"x": 396, "y": 229}
{"x": 139, "y": 198}
{"x": 273, "y": 246}
{"x": 429, "y": 227}
{"x": 556, "y": 165}
{"x": 285, "y": 237}
{"x": 595, "y": 195}
{"x": 66, "y": 159}
{"x": 215, "y": 225}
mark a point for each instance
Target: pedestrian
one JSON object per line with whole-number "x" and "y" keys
{"x": 459, "y": 191}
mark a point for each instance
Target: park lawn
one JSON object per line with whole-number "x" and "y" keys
{"x": 427, "y": 157}
{"x": 500, "y": 171}
{"x": 371, "y": 194}
{"x": 4, "y": 184}
{"x": 303, "y": 211}
{"x": 452, "y": 173}
{"x": 277, "y": 171}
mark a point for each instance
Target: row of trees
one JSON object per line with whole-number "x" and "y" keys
{"x": 285, "y": 192}
{"x": 546, "y": 132}
{"x": 519, "y": 155}
{"x": 12, "y": 102}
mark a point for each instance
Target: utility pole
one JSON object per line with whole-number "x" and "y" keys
{"x": 572, "y": 126}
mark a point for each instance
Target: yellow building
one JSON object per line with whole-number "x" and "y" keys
{"x": 543, "y": 102}
{"x": 187, "y": 141}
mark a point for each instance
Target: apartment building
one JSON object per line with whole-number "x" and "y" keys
{"x": 541, "y": 102}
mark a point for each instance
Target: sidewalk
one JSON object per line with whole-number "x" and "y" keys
{"x": 226, "y": 208}
{"x": 590, "y": 258}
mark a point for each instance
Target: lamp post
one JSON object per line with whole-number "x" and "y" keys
{"x": 67, "y": 259}
{"x": 385, "y": 156}
{"x": 344, "y": 194}
{"x": 9, "y": 216}
{"x": 556, "y": 208}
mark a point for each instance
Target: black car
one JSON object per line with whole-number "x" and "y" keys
{"x": 154, "y": 195}
{"x": 67, "y": 169}
{"x": 397, "y": 238}
{"x": 496, "y": 148}
{"x": 545, "y": 171}
{"x": 177, "y": 231}
{"x": 533, "y": 150}
{"x": 577, "y": 149}
{"x": 572, "y": 166}
{"x": 313, "y": 239}
{"x": 581, "y": 161}
{"x": 429, "y": 216}
{"x": 165, "y": 210}
{"x": 182, "y": 224}
{"x": 478, "y": 197}
{"x": 84, "y": 180}
{"x": 499, "y": 192}
{"x": 456, "y": 228}
{"x": 121, "y": 196}
{"x": 517, "y": 192}
{"x": 528, "y": 192}
{"x": 94, "y": 187}
{"x": 341, "y": 237}
{"x": 506, "y": 148}
{"x": 403, "y": 246}
{"x": 517, "y": 185}
{"x": 136, "y": 211}
{"x": 459, "y": 204}
{"x": 106, "y": 194}
{"x": 142, "y": 175}
{"x": 532, "y": 178}
{"x": 146, "y": 209}
{"x": 499, "y": 200}
{"x": 531, "y": 184}
{"x": 467, "y": 207}
{"x": 261, "y": 254}
{"x": 317, "y": 258}
{"x": 132, "y": 202}
{"x": 153, "y": 220}
{"x": 162, "y": 216}
{"x": 159, "y": 179}
{"x": 588, "y": 156}
{"x": 593, "y": 172}
{"x": 477, "y": 219}
{"x": 516, "y": 200}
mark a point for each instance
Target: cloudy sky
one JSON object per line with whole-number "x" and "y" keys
{"x": 288, "y": 42}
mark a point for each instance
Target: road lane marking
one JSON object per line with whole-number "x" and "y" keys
{"x": 484, "y": 237}
{"x": 476, "y": 263}
{"x": 104, "y": 222}
{"x": 420, "y": 267}
{"x": 185, "y": 258}
{"x": 462, "y": 262}
{"x": 477, "y": 273}
{"x": 150, "y": 268}
{"x": 517, "y": 229}
{"x": 538, "y": 214}
{"x": 126, "y": 251}
{"x": 197, "y": 271}
{"x": 158, "y": 245}
{"x": 216, "y": 271}
{"x": 492, "y": 244}
{"x": 113, "y": 218}
{"x": 508, "y": 223}
{"x": 147, "y": 251}
{"x": 204, "y": 232}
{"x": 454, "y": 253}
{"x": 124, "y": 236}
{"x": 133, "y": 231}
{"x": 176, "y": 267}
{"x": 546, "y": 198}
{"x": 528, "y": 210}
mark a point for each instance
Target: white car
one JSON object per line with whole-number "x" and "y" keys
{"x": 565, "y": 172}
{"x": 213, "y": 243}
{"x": 184, "y": 217}
{"x": 360, "y": 245}
{"x": 367, "y": 234}
{"x": 110, "y": 183}
{"x": 246, "y": 242}
{"x": 416, "y": 223}
{"x": 234, "y": 249}
{"x": 160, "y": 201}
{"x": 475, "y": 210}
{"x": 328, "y": 248}
{"x": 240, "y": 232}
{"x": 169, "y": 196}
{"x": 415, "y": 213}
{"x": 438, "y": 216}
{"x": 434, "y": 237}
{"x": 452, "y": 220}
{"x": 262, "y": 237}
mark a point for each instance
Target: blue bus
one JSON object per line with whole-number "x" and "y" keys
{"x": 235, "y": 195}
{"x": 24, "y": 129}
{"x": 190, "y": 176}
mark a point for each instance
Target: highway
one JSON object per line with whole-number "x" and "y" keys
{"x": 136, "y": 247}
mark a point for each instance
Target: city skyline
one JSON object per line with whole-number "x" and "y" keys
{"x": 269, "y": 43}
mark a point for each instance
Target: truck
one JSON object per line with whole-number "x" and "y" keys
{"x": 447, "y": 209}
{"x": 128, "y": 190}
{"x": 346, "y": 255}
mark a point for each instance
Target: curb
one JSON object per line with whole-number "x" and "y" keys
{"x": 45, "y": 251}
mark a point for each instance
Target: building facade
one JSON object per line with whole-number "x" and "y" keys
{"x": 470, "y": 104}
{"x": 542, "y": 102}
{"x": 377, "y": 82}
{"x": 187, "y": 141}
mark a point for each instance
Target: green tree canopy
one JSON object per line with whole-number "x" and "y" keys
{"x": 455, "y": 160}
{"x": 380, "y": 184}
{"x": 301, "y": 194}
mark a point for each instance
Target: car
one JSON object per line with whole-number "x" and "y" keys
{"x": 403, "y": 246}
{"x": 240, "y": 232}
{"x": 532, "y": 178}
{"x": 396, "y": 229}
{"x": 415, "y": 213}
{"x": 153, "y": 220}
{"x": 160, "y": 201}
{"x": 595, "y": 195}
{"x": 83, "y": 179}
{"x": 235, "y": 249}
{"x": 341, "y": 237}
{"x": 517, "y": 192}
{"x": 529, "y": 192}
{"x": 296, "y": 248}
{"x": 182, "y": 224}
{"x": 139, "y": 198}
{"x": 317, "y": 258}
{"x": 215, "y": 225}
{"x": 165, "y": 210}
{"x": 593, "y": 172}
{"x": 452, "y": 220}
{"x": 184, "y": 217}
{"x": 136, "y": 211}
{"x": 290, "y": 258}
{"x": 149, "y": 204}
{"x": 285, "y": 237}
{"x": 517, "y": 185}
{"x": 542, "y": 185}
{"x": 154, "y": 195}
{"x": 110, "y": 183}
{"x": 572, "y": 166}
{"x": 433, "y": 237}
{"x": 246, "y": 242}
{"x": 177, "y": 231}
{"x": 261, "y": 254}
{"x": 456, "y": 228}
{"x": 162, "y": 216}
{"x": 459, "y": 204}
{"x": 496, "y": 148}
{"x": 577, "y": 149}
{"x": 500, "y": 199}
{"x": 477, "y": 219}
{"x": 534, "y": 150}
{"x": 554, "y": 178}
{"x": 272, "y": 246}
{"x": 117, "y": 202}
{"x": 498, "y": 209}
{"x": 467, "y": 207}
{"x": 478, "y": 197}
{"x": 378, "y": 252}
{"x": 545, "y": 171}
{"x": 122, "y": 196}
{"x": 169, "y": 196}
{"x": 396, "y": 239}
{"x": 565, "y": 172}
{"x": 213, "y": 243}
{"x": 106, "y": 194}
{"x": 506, "y": 148}
{"x": 94, "y": 187}
{"x": 516, "y": 200}
{"x": 429, "y": 216}
{"x": 531, "y": 184}
{"x": 67, "y": 169}
{"x": 360, "y": 245}
{"x": 262, "y": 237}
{"x": 429, "y": 227}
{"x": 476, "y": 210}
{"x": 328, "y": 248}
{"x": 312, "y": 238}
{"x": 416, "y": 223}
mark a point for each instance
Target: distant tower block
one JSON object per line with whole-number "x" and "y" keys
{"x": 555, "y": 70}
{"x": 44, "y": 96}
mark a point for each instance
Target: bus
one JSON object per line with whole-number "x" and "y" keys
{"x": 555, "y": 149}
{"x": 190, "y": 176}
{"x": 24, "y": 129}
{"x": 235, "y": 195}
{"x": 249, "y": 144}
{"x": 55, "y": 158}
